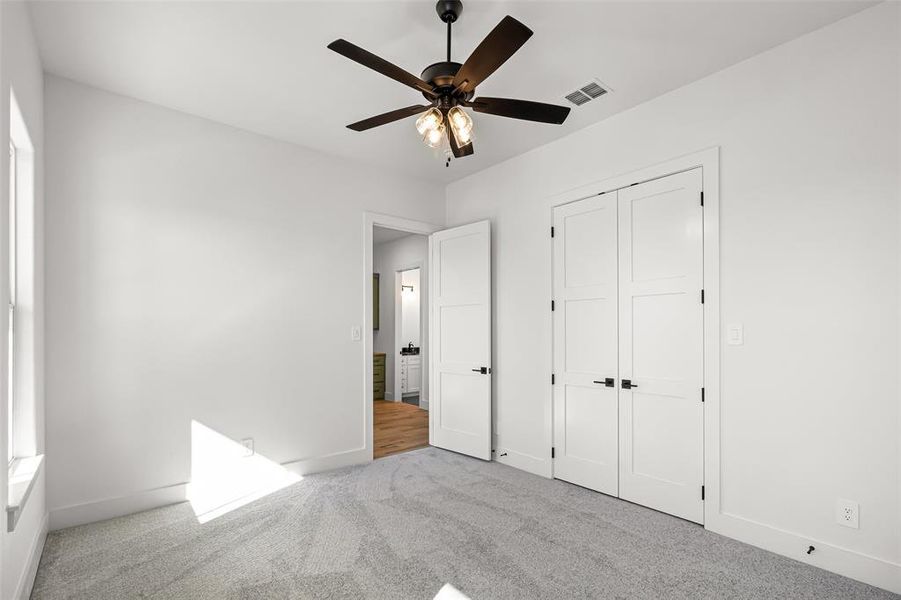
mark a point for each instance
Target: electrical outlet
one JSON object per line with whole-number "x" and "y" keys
{"x": 248, "y": 446}
{"x": 356, "y": 333}
{"x": 847, "y": 513}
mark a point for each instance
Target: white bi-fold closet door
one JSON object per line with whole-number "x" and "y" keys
{"x": 628, "y": 344}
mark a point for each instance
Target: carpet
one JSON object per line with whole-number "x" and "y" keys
{"x": 403, "y": 526}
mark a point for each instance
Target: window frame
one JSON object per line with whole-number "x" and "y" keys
{"x": 11, "y": 401}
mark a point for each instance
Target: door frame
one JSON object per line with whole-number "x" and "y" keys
{"x": 708, "y": 161}
{"x": 396, "y": 394}
{"x": 370, "y": 220}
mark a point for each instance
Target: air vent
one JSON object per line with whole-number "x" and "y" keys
{"x": 594, "y": 90}
{"x": 587, "y": 93}
{"x": 578, "y": 98}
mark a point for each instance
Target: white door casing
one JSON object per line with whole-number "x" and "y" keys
{"x": 661, "y": 337}
{"x": 585, "y": 343}
{"x": 460, "y": 326}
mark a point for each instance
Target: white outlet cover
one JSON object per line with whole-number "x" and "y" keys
{"x": 847, "y": 513}
{"x": 356, "y": 333}
{"x": 735, "y": 334}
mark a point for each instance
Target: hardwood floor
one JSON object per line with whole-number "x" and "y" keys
{"x": 398, "y": 427}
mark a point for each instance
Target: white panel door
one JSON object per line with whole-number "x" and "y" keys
{"x": 661, "y": 344}
{"x": 460, "y": 339}
{"x": 585, "y": 344}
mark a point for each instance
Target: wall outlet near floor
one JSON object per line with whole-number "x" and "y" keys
{"x": 356, "y": 333}
{"x": 248, "y": 446}
{"x": 847, "y": 513}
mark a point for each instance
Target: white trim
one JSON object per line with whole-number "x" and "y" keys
{"x": 370, "y": 220}
{"x": 110, "y": 508}
{"x": 524, "y": 462}
{"x": 26, "y": 579}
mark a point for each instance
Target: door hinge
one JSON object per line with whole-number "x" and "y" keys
{"x": 702, "y": 296}
{"x": 702, "y": 197}
{"x": 552, "y": 231}
{"x": 552, "y": 306}
{"x": 702, "y": 492}
{"x": 552, "y": 379}
{"x": 552, "y": 452}
{"x": 702, "y": 394}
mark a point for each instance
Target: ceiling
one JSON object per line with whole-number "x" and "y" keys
{"x": 264, "y": 66}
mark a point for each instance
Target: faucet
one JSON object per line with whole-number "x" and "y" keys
{"x": 410, "y": 346}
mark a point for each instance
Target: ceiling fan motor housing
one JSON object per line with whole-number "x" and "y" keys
{"x": 440, "y": 76}
{"x": 449, "y": 10}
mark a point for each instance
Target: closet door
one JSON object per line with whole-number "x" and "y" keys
{"x": 661, "y": 344}
{"x": 585, "y": 347}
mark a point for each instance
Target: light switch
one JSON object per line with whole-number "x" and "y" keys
{"x": 735, "y": 335}
{"x": 356, "y": 333}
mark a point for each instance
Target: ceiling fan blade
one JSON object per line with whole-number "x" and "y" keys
{"x": 459, "y": 151}
{"x": 520, "y": 109}
{"x": 499, "y": 45}
{"x": 388, "y": 117}
{"x": 368, "y": 59}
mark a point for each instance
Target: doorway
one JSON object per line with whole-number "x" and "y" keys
{"x": 629, "y": 343}
{"x": 409, "y": 328}
{"x": 455, "y": 317}
{"x": 400, "y": 331}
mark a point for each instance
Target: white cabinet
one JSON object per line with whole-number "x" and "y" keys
{"x": 410, "y": 373}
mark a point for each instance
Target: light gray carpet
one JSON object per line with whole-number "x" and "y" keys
{"x": 403, "y": 526}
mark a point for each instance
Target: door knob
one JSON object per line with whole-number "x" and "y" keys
{"x": 609, "y": 382}
{"x": 628, "y": 385}
{"x": 482, "y": 370}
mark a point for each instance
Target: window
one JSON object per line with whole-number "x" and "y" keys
{"x": 11, "y": 384}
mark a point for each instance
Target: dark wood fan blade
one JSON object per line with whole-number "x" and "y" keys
{"x": 520, "y": 109}
{"x": 388, "y": 117}
{"x": 459, "y": 151}
{"x": 368, "y": 59}
{"x": 499, "y": 45}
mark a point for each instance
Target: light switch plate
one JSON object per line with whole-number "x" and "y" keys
{"x": 356, "y": 333}
{"x": 735, "y": 334}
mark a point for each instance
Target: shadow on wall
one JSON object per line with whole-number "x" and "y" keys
{"x": 225, "y": 475}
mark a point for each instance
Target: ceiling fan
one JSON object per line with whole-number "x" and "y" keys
{"x": 450, "y": 86}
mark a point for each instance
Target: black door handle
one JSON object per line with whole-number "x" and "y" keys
{"x": 482, "y": 370}
{"x": 628, "y": 385}
{"x": 609, "y": 382}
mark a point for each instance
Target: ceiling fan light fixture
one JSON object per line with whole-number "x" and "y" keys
{"x": 434, "y": 137}
{"x": 461, "y": 124}
{"x": 448, "y": 85}
{"x": 430, "y": 120}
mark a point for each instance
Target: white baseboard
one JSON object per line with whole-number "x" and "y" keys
{"x": 109, "y": 508}
{"x": 26, "y": 580}
{"x": 318, "y": 464}
{"x": 868, "y": 569}
{"x": 525, "y": 462}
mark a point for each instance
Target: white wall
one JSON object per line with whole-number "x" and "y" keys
{"x": 411, "y": 316}
{"x": 809, "y": 137}
{"x": 387, "y": 259}
{"x": 20, "y": 69}
{"x": 196, "y": 271}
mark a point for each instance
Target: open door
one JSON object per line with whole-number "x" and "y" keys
{"x": 460, "y": 339}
